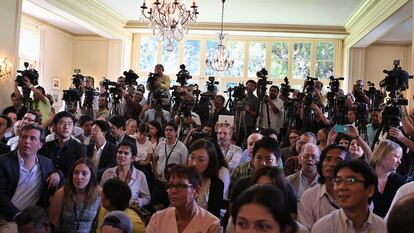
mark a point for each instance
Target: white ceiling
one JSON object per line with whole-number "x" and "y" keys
{"x": 401, "y": 34}
{"x": 53, "y": 18}
{"x": 296, "y": 12}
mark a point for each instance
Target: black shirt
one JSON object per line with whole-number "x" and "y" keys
{"x": 382, "y": 201}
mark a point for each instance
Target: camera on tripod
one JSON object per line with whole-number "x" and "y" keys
{"x": 183, "y": 75}
{"x": 262, "y": 82}
{"x": 31, "y": 74}
{"x": 396, "y": 79}
{"x": 72, "y": 95}
{"x": 285, "y": 88}
{"x": 309, "y": 90}
{"x": 334, "y": 83}
{"x": 210, "y": 84}
{"x": 78, "y": 78}
{"x": 112, "y": 87}
{"x": 239, "y": 92}
{"x": 130, "y": 78}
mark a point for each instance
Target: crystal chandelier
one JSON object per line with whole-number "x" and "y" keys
{"x": 169, "y": 19}
{"x": 219, "y": 59}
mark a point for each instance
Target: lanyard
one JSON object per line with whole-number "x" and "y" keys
{"x": 343, "y": 224}
{"x": 333, "y": 204}
{"x": 168, "y": 154}
{"x": 78, "y": 219}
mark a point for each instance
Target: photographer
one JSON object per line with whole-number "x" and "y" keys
{"x": 359, "y": 93}
{"x": 251, "y": 107}
{"x": 133, "y": 106}
{"x": 275, "y": 110}
{"x": 103, "y": 112}
{"x": 88, "y": 97}
{"x": 165, "y": 82}
{"x": 40, "y": 101}
{"x": 219, "y": 108}
{"x": 154, "y": 112}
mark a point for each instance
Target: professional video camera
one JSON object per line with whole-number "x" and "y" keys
{"x": 239, "y": 92}
{"x": 309, "y": 90}
{"x": 78, "y": 78}
{"x": 31, "y": 74}
{"x": 334, "y": 83}
{"x": 183, "y": 75}
{"x": 112, "y": 87}
{"x": 262, "y": 82}
{"x": 210, "y": 84}
{"x": 130, "y": 78}
{"x": 396, "y": 79}
{"x": 285, "y": 88}
{"x": 151, "y": 81}
{"x": 72, "y": 95}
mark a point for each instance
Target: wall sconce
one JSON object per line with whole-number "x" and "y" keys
{"x": 5, "y": 68}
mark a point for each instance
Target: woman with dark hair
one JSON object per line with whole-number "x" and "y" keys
{"x": 74, "y": 206}
{"x": 155, "y": 133}
{"x": 322, "y": 138}
{"x": 135, "y": 179}
{"x": 203, "y": 156}
{"x": 263, "y": 207}
{"x": 184, "y": 215}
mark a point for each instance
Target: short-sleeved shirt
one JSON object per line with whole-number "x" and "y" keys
{"x": 176, "y": 153}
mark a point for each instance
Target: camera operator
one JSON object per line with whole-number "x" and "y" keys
{"x": 251, "y": 107}
{"x": 373, "y": 126}
{"x": 154, "y": 112}
{"x": 89, "y": 87}
{"x": 133, "y": 104}
{"x": 165, "y": 85}
{"x": 276, "y": 110}
{"x": 40, "y": 101}
{"x": 219, "y": 108}
{"x": 359, "y": 93}
{"x": 103, "y": 112}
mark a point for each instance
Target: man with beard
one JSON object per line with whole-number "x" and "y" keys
{"x": 373, "y": 126}
{"x": 275, "y": 110}
{"x": 232, "y": 153}
{"x": 307, "y": 176}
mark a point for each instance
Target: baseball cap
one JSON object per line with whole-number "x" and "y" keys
{"x": 118, "y": 219}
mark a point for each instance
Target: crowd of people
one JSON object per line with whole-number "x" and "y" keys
{"x": 140, "y": 171}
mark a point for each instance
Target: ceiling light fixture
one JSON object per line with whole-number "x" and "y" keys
{"x": 219, "y": 59}
{"x": 169, "y": 19}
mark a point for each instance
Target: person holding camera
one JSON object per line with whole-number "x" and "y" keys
{"x": 103, "y": 112}
{"x": 251, "y": 109}
{"x": 133, "y": 104}
{"x": 165, "y": 82}
{"x": 275, "y": 105}
{"x": 359, "y": 93}
{"x": 40, "y": 101}
{"x": 154, "y": 112}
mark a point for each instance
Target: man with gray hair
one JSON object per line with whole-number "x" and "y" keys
{"x": 292, "y": 164}
{"x": 232, "y": 153}
{"x": 307, "y": 176}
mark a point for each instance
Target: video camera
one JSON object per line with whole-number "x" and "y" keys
{"x": 31, "y": 74}
{"x": 210, "y": 84}
{"x": 112, "y": 87}
{"x": 396, "y": 79}
{"x": 239, "y": 92}
{"x": 183, "y": 75}
{"x": 309, "y": 90}
{"x": 262, "y": 82}
{"x": 130, "y": 78}
{"x": 334, "y": 83}
{"x": 72, "y": 95}
{"x": 285, "y": 88}
{"x": 78, "y": 78}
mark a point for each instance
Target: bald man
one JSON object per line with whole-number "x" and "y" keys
{"x": 251, "y": 140}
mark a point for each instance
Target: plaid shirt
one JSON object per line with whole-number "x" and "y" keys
{"x": 241, "y": 171}
{"x": 292, "y": 165}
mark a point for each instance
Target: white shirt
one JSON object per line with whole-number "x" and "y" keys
{"x": 224, "y": 175}
{"x": 29, "y": 186}
{"x": 401, "y": 192}
{"x": 177, "y": 153}
{"x": 12, "y": 142}
{"x": 232, "y": 155}
{"x": 138, "y": 184}
{"x": 338, "y": 222}
{"x": 276, "y": 119}
{"x": 314, "y": 204}
{"x": 143, "y": 150}
{"x": 97, "y": 154}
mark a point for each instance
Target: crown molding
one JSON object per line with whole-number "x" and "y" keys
{"x": 91, "y": 14}
{"x": 304, "y": 29}
{"x": 368, "y": 17}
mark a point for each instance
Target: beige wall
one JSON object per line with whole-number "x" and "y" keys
{"x": 10, "y": 15}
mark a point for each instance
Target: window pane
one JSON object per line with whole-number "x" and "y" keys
{"x": 301, "y": 60}
{"x": 191, "y": 57}
{"x": 170, "y": 59}
{"x": 279, "y": 63}
{"x": 257, "y": 57}
{"x": 210, "y": 46}
{"x": 237, "y": 53}
{"x": 324, "y": 59}
{"x": 148, "y": 54}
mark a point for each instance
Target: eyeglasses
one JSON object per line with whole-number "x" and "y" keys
{"x": 310, "y": 156}
{"x": 179, "y": 186}
{"x": 347, "y": 181}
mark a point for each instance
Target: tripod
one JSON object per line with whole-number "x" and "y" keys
{"x": 391, "y": 117}
{"x": 116, "y": 106}
{"x": 260, "y": 119}
{"x": 27, "y": 101}
{"x": 229, "y": 102}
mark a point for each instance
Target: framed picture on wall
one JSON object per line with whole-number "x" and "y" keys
{"x": 56, "y": 84}
{"x": 57, "y": 99}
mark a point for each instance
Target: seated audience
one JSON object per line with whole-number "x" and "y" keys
{"x": 400, "y": 218}
{"x": 116, "y": 222}
{"x": 203, "y": 156}
{"x": 115, "y": 196}
{"x": 31, "y": 117}
{"x": 34, "y": 219}
{"x": 319, "y": 200}
{"x": 25, "y": 174}
{"x": 101, "y": 152}
{"x": 292, "y": 163}
{"x": 117, "y": 126}
{"x": 16, "y": 107}
{"x": 134, "y": 178}
{"x": 184, "y": 215}
{"x": 355, "y": 183}
{"x": 307, "y": 176}
{"x": 86, "y": 122}
{"x": 75, "y": 205}
{"x": 232, "y": 153}
{"x": 64, "y": 151}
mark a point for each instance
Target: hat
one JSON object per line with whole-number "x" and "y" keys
{"x": 118, "y": 219}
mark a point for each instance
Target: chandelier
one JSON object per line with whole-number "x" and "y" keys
{"x": 219, "y": 59}
{"x": 169, "y": 19}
